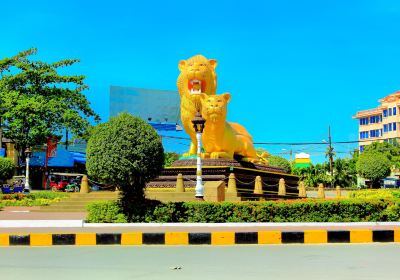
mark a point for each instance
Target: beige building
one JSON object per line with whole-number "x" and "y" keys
{"x": 381, "y": 123}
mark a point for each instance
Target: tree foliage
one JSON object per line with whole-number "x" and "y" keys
{"x": 373, "y": 166}
{"x": 7, "y": 168}
{"x": 170, "y": 157}
{"x": 37, "y": 101}
{"x": 125, "y": 152}
{"x": 344, "y": 172}
{"x": 313, "y": 175}
{"x": 390, "y": 151}
{"x": 280, "y": 162}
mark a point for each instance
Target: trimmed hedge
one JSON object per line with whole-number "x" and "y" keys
{"x": 346, "y": 210}
{"x": 105, "y": 212}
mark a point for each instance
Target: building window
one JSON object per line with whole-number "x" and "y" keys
{"x": 380, "y": 118}
{"x": 394, "y": 111}
{"x": 362, "y": 148}
{"x": 390, "y": 127}
{"x": 385, "y": 128}
{"x": 368, "y": 134}
{"x": 385, "y": 113}
{"x": 381, "y": 134}
{"x": 394, "y": 126}
{"x": 390, "y": 112}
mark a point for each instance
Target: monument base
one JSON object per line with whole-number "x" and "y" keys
{"x": 217, "y": 170}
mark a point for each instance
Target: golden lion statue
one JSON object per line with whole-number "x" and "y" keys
{"x": 222, "y": 139}
{"x": 197, "y": 76}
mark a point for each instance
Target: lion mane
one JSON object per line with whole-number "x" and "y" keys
{"x": 197, "y": 76}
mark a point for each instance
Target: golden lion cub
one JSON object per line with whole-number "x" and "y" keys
{"x": 222, "y": 139}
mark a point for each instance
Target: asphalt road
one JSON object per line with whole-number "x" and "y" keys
{"x": 353, "y": 262}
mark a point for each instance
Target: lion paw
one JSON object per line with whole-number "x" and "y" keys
{"x": 217, "y": 155}
{"x": 252, "y": 160}
{"x": 205, "y": 155}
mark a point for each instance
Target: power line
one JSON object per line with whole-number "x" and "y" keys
{"x": 284, "y": 143}
{"x": 308, "y": 143}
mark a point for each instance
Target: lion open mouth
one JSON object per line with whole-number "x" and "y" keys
{"x": 196, "y": 86}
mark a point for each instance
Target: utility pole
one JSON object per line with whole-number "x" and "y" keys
{"x": 1, "y": 134}
{"x": 330, "y": 153}
{"x": 66, "y": 138}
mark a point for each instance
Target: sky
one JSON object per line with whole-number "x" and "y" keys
{"x": 293, "y": 68}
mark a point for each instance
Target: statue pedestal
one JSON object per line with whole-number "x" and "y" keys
{"x": 217, "y": 170}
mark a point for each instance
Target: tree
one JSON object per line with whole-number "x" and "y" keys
{"x": 280, "y": 162}
{"x": 373, "y": 166}
{"x": 391, "y": 151}
{"x": 36, "y": 101}
{"x": 125, "y": 152}
{"x": 345, "y": 173}
{"x": 7, "y": 168}
{"x": 313, "y": 175}
{"x": 170, "y": 157}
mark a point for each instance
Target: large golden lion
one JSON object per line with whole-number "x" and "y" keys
{"x": 197, "y": 76}
{"x": 222, "y": 139}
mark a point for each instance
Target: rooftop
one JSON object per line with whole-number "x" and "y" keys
{"x": 391, "y": 97}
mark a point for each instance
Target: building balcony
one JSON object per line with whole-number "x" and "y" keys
{"x": 367, "y": 113}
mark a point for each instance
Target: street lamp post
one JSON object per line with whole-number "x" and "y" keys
{"x": 198, "y": 125}
{"x": 28, "y": 154}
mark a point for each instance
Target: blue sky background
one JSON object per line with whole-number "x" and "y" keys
{"x": 292, "y": 67}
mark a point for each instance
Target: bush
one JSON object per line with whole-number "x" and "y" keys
{"x": 125, "y": 152}
{"x": 347, "y": 210}
{"x": 7, "y": 168}
{"x": 105, "y": 212}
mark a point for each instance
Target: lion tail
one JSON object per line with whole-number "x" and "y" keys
{"x": 263, "y": 157}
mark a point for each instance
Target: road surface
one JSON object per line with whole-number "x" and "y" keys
{"x": 353, "y": 262}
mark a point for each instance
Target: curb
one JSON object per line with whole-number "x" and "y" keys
{"x": 83, "y": 224}
{"x": 210, "y": 238}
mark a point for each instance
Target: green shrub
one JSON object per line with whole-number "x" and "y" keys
{"x": 105, "y": 212}
{"x": 126, "y": 152}
{"x": 391, "y": 213}
{"x": 7, "y": 168}
{"x": 349, "y": 210}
